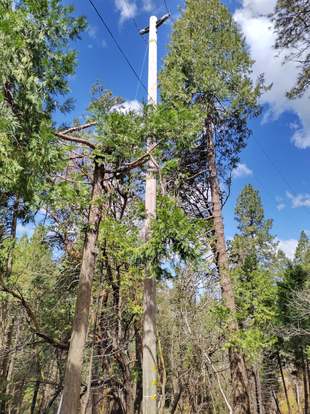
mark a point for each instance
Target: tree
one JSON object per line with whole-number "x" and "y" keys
{"x": 208, "y": 67}
{"x": 302, "y": 249}
{"x": 253, "y": 252}
{"x": 35, "y": 63}
{"x": 293, "y": 320}
{"x": 292, "y": 25}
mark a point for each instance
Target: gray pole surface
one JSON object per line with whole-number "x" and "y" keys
{"x": 149, "y": 365}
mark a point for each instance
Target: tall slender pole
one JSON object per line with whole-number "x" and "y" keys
{"x": 149, "y": 365}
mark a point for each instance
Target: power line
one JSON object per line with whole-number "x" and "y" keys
{"x": 274, "y": 165}
{"x": 142, "y": 69}
{"x": 168, "y": 10}
{"x": 117, "y": 44}
{"x": 137, "y": 28}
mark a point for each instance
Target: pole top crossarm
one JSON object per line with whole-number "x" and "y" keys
{"x": 158, "y": 23}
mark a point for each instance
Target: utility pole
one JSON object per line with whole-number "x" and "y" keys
{"x": 149, "y": 357}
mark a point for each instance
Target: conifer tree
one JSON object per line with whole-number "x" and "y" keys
{"x": 292, "y": 26}
{"x": 208, "y": 67}
{"x": 253, "y": 252}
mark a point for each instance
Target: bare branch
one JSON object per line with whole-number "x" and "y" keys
{"x": 79, "y": 127}
{"x": 71, "y": 138}
{"x": 35, "y": 328}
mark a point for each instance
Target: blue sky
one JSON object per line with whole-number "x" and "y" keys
{"x": 276, "y": 160}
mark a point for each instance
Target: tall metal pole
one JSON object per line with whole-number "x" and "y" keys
{"x": 149, "y": 364}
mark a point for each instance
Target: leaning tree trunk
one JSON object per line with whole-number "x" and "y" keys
{"x": 284, "y": 384}
{"x": 72, "y": 382}
{"x": 241, "y": 401}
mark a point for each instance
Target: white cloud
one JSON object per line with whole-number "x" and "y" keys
{"x": 280, "y": 206}
{"x": 299, "y": 200}
{"x": 288, "y": 247}
{"x": 92, "y": 31}
{"x": 242, "y": 170}
{"x": 126, "y": 8}
{"x": 148, "y": 5}
{"x": 258, "y": 29}
{"x": 128, "y": 106}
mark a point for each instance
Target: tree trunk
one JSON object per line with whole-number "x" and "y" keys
{"x": 241, "y": 401}
{"x": 304, "y": 372}
{"x": 5, "y": 364}
{"x": 284, "y": 384}
{"x": 72, "y": 381}
{"x": 7, "y": 323}
{"x": 258, "y": 382}
{"x": 35, "y": 396}
{"x": 138, "y": 367}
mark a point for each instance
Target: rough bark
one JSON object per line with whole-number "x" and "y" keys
{"x": 5, "y": 364}
{"x": 241, "y": 401}
{"x": 72, "y": 382}
{"x": 7, "y": 323}
{"x": 284, "y": 384}
{"x": 305, "y": 381}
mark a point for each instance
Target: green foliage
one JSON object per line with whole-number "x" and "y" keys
{"x": 292, "y": 26}
{"x": 175, "y": 238}
{"x": 253, "y": 253}
{"x": 35, "y": 63}
{"x": 302, "y": 254}
{"x": 35, "y": 274}
{"x": 208, "y": 67}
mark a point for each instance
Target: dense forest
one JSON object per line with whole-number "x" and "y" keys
{"x": 111, "y": 305}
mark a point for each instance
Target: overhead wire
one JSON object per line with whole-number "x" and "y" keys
{"x": 168, "y": 10}
{"x": 117, "y": 44}
{"x": 274, "y": 165}
{"x": 142, "y": 70}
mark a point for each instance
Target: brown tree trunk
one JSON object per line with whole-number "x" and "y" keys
{"x": 138, "y": 367}
{"x": 305, "y": 380}
{"x": 284, "y": 384}
{"x": 258, "y": 382}
{"x": 7, "y": 322}
{"x": 241, "y": 401}
{"x": 72, "y": 381}
{"x": 5, "y": 364}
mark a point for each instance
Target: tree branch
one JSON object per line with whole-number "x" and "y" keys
{"x": 136, "y": 163}
{"x": 79, "y": 127}
{"x": 71, "y": 138}
{"x": 36, "y": 329}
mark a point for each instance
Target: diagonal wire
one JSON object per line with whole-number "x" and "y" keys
{"x": 274, "y": 165}
{"x": 117, "y": 44}
{"x": 168, "y": 10}
{"x": 142, "y": 70}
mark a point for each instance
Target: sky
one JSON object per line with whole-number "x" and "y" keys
{"x": 276, "y": 160}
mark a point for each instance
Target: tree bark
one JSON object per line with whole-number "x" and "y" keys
{"x": 284, "y": 384}
{"x": 5, "y": 364}
{"x": 7, "y": 323}
{"x": 72, "y": 381}
{"x": 305, "y": 381}
{"x": 241, "y": 401}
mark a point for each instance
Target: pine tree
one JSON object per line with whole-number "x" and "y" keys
{"x": 253, "y": 252}
{"x": 208, "y": 67}
{"x": 302, "y": 249}
{"x": 292, "y": 26}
